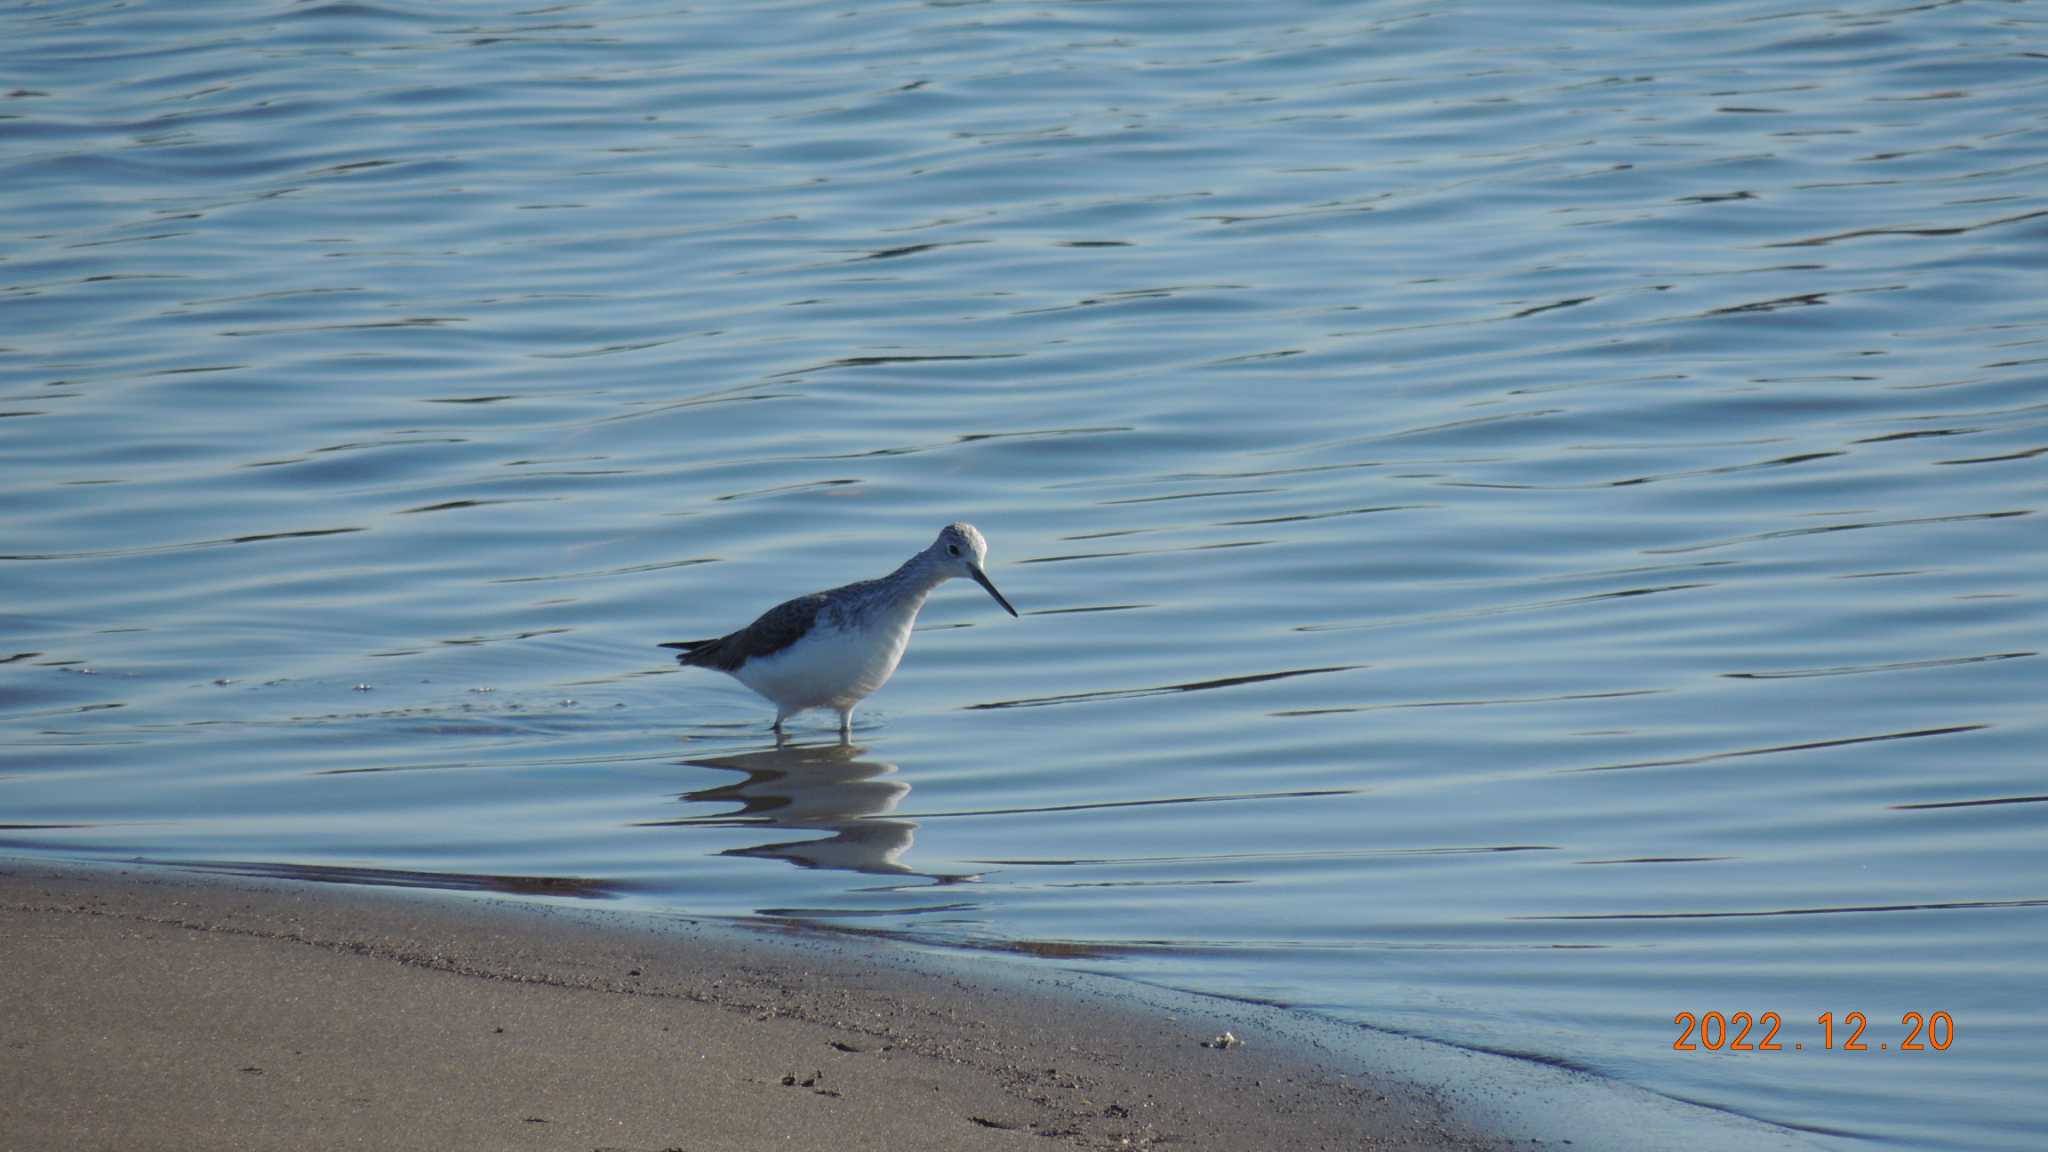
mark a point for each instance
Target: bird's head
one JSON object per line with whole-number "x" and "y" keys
{"x": 960, "y": 550}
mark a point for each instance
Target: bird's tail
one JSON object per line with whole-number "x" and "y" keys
{"x": 692, "y": 651}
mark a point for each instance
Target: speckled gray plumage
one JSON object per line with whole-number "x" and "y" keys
{"x": 786, "y": 623}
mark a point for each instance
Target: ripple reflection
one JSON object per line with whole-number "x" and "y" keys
{"x": 811, "y": 788}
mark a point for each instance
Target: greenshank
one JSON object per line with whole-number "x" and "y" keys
{"x": 832, "y": 649}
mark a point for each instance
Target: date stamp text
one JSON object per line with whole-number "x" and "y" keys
{"x": 1744, "y": 1032}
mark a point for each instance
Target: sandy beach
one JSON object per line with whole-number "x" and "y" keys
{"x": 149, "y": 1008}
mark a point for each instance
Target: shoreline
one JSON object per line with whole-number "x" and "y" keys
{"x": 150, "y": 1007}
{"x": 157, "y": 1006}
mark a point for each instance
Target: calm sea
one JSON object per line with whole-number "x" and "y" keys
{"x": 1527, "y": 517}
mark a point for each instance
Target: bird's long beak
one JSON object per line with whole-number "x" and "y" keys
{"x": 982, "y": 579}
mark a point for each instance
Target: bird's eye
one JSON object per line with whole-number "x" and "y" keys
{"x": 953, "y": 548}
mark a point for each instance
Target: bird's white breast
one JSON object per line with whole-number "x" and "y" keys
{"x": 833, "y": 665}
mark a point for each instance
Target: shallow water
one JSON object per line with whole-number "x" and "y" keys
{"x": 1526, "y": 526}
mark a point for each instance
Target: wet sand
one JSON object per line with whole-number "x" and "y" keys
{"x": 148, "y": 1008}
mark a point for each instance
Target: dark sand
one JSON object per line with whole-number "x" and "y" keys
{"x": 146, "y": 1008}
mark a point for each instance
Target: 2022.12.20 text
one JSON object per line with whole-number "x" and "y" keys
{"x": 1715, "y": 1032}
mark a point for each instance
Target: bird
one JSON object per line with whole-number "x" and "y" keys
{"x": 832, "y": 649}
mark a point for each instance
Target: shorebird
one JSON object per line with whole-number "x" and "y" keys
{"x": 832, "y": 649}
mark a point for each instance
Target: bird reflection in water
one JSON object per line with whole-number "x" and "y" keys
{"x": 831, "y": 788}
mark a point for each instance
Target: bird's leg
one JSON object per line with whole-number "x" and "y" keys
{"x": 845, "y": 725}
{"x": 777, "y": 726}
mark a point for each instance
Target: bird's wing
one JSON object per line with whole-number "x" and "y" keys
{"x": 776, "y": 629}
